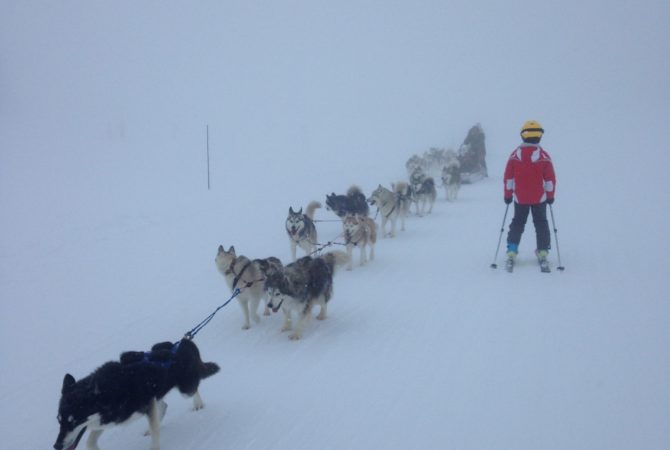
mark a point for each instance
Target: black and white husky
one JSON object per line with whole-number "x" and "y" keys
{"x": 424, "y": 195}
{"x": 135, "y": 385}
{"x": 301, "y": 285}
{"x": 352, "y": 203}
{"x": 301, "y": 229}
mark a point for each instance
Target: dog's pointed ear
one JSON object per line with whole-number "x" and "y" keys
{"x": 68, "y": 383}
{"x": 300, "y": 211}
{"x": 290, "y": 210}
{"x": 221, "y": 250}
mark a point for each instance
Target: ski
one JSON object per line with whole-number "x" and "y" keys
{"x": 544, "y": 263}
{"x": 544, "y": 266}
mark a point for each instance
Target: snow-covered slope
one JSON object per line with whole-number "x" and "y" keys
{"x": 108, "y": 232}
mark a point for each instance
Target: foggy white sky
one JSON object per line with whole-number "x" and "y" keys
{"x": 302, "y": 72}
{"x": 102, "y": 91}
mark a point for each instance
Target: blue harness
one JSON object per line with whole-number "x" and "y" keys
{"x": 163, "y": 364}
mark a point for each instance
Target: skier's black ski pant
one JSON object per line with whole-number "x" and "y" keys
{"x": 518, "y": 224}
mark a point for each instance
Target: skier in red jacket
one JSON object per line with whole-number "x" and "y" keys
{"x": 530, "y": 181}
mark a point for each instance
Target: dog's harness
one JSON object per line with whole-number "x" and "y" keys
{"x": 356, "y": 237}
{"x": 238, "y": 276}
{"x": 149, "y": 358}
{"x": 395, "y": 204}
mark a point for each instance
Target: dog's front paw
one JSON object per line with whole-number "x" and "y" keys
{"x": 197, "y": 402}
{"x": 294, "y": 337}
{"x": 246, "y": 327}
{"x": 285, "y": 328}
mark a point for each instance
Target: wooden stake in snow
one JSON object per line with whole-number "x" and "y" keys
{"x": 207, "y": 134}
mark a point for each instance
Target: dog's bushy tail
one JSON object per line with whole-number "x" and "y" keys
{"x": 400, "y": 188}
{"x": 335, "y": 259}
{"x": 313, "y": 205}
{"x": 207, "y": 369}
{"x": 353, "y": 190}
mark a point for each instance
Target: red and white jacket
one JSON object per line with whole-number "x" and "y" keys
{"x": 529, "y": 175}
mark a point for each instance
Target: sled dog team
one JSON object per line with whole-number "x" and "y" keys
{"x": 305, "y": 282}
{"x": 136, "y": 384}
{"x": 308, "y": 281}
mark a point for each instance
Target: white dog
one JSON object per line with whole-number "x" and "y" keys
{"x": 359, "y": 231}
{"x": 241, "y": 272}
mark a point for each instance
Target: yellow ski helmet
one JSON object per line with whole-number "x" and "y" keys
{"x": 531, "y": 129}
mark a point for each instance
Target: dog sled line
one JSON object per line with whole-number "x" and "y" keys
{"x": 97, "y": 402}
{"x": 262, "y": 279}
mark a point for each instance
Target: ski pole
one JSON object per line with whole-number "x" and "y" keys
{"x": 502, "y": 229}
{"x": 558, "y": 252}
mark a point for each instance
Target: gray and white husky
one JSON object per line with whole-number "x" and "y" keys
{"x": 241, "y": 272}
{"x": 404, "y": 193}
{"x": 301, "y": 285}
{"x": 451, "y": 179}
{"x": 266, "y": 265}
{"x": 301, "y": 230}
{"x": 391, "y": 205}
{"x": 424, "y": 195}
{"x": 359, "y": 231}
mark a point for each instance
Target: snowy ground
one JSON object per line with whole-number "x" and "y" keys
{"x": 426, "y": 347}
{"x": 108, "y": 233}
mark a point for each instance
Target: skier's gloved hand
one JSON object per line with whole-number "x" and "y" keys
{"x": 550, "y": 201}
{"x": 508, "y": 200}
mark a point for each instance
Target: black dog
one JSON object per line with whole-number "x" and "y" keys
{"x": 352, "y": 203}
{"x": 136, "y": 384}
